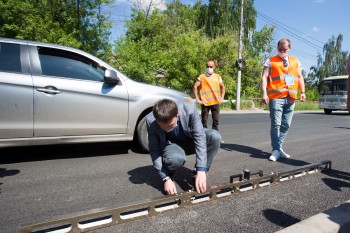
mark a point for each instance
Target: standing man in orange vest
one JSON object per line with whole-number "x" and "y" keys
{"x": 210, "y": 96}
{"x": 280, "y": 80}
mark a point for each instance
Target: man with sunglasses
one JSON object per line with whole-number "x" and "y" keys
{"x": 281, "y": 78}
{"x": 210, "y": 95}
{"x": 174, "y": 130}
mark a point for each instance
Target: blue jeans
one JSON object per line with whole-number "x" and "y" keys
{"x": 281, "y": 114}
{"x": 174, "y": 155}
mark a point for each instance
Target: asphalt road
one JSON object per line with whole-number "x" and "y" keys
{"x": 39, "y": 183}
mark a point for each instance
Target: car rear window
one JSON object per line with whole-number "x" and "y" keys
{"x": 10, "y": 57}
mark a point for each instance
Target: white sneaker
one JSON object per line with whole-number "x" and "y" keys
{"x": 284, "y": 154}
{"x": 276, "y": 154}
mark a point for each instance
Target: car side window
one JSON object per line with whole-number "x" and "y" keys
{"x": 10, "y": 60}
{"x": 65, "y": 64}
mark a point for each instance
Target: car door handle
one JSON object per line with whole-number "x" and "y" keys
{"x": 49, "y": 90}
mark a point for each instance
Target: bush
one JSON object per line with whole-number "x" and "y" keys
{"x": 307, "y": 105}
{"x": 257, "y": 104}
{"x": 245, "y": 104}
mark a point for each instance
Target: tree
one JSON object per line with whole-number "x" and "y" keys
{"x": 222, "y": 17}
{"x": 177, "y": 40}
{"x": 79, "y": 23}
{"x": 333, "y": 62}
{"x": 169, "y": 40}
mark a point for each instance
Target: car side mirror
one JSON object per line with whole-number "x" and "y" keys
{"x": 111, "y": 77}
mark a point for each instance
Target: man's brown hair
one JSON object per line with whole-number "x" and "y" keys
{"x": 283, "y": 41}
{"x": 165, "y": 110}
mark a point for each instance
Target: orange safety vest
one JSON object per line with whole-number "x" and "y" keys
{"x": 348, "y": 94}
{"x": 276, "y": 84}
{"x": 210, "y": 89}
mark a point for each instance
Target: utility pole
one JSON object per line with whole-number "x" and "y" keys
{"x": 239, "y": 62}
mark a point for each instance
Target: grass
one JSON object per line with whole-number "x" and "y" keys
{"x": 257, "y": 104}
{"x": 306, "y": 106}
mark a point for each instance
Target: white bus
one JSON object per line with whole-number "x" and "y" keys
{"x": 333, "y": 94}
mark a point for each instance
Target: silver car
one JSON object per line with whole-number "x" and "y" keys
{"x": 52, "y": 94}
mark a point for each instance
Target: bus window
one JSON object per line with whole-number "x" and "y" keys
{"x": 336, "y": 87}
{"x": 326, "y": 88}
{"x": 340, "y": 87}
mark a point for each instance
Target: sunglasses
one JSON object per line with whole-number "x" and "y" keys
{"x": 210, "y": 66}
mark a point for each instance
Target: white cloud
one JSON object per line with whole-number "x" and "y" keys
{"x": 147, "y": 5}
{"x": 319, "y": 1}
{"x": 316, "y": 29}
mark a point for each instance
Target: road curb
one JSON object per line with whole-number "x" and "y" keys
{"x": 334, "y": 220}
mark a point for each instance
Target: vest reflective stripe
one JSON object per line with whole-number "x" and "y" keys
{"x": 210, "y": 89}
{"x": 207, "y": 92}
{"x": 278, "y": 78}
{"x": 276, "y": 85}
{"x": 283, "y": 90}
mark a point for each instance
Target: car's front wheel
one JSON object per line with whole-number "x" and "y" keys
{"x": 142, "y": 135}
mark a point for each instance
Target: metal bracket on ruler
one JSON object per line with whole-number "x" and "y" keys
{"x": 99, "y": 218}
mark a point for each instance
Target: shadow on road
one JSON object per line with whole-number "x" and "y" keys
{"x": 259, "y": 154}
{"x": 148, "y": 175}
{"x": 341, "y": 181}
{"x": 293, "y": 162}
{"x": 342, "y": 127}
{"x": 345, "y": 228}
{"x": 51, "y": 152}
{"x": 280, "y": 218}
{"x": 7, "y": 172}
{"x": 253, "y": 152}
{"x": 145, "y": 175}
{"x": 285, "y": 220}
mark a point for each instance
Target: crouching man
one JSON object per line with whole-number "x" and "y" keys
{"x": 175, "y": 129}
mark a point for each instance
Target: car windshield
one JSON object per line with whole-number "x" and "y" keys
{"x": 333, "y": 87}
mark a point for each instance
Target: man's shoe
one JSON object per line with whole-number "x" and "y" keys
{"x": 276, "y": 154}
{"x": 284, "y": 154}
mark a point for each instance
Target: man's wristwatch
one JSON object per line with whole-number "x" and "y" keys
{"x": 302, "y": 92}
{"x": 165, "y": 179}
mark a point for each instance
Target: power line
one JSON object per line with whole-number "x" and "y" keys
{"x": 305, "y": 54}
{"x": 272, "y": 22}
{"x": 291, "y": 33}
{"x": 292, "y": 28}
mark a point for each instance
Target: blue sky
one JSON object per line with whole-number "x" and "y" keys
{"x": 309, "y": 24}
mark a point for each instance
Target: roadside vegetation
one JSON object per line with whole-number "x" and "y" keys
{"x": 230, "y": 105}
{"x": 167, "y": 46}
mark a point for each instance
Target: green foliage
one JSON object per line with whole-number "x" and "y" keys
{"x": 80, "y": 24}
{"x": 333, "y": 62}
{"x": 306, "y": 106}
{"x": 261, "y": 43}
{"x": 151, "y": 44}
{"x": 311, "y": 93}
{"x": 244, "y": 105}
{"x": 221, "y": 17}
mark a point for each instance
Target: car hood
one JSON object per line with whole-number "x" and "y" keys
{"x": 137, "y": 90}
